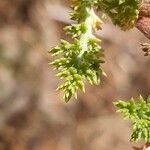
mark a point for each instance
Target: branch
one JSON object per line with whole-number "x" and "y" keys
{"x": 143, "y": 23}
{"x": 145, "y": 147}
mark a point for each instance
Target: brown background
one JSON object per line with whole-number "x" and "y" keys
{"x": 33, "y": 115}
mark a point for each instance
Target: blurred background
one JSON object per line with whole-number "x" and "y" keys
{"x": 33, "y": 116}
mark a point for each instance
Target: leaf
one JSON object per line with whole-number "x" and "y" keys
{"x": 139, "y": 114}
{"x": 84, "y": 53}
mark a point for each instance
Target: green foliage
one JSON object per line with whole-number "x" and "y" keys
{"x": 123, "y": 13}
{"x": 81, "y": 60}
{"x": 139, "y": 114}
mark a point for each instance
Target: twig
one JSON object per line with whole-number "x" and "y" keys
{"x": 143, "y": 23}
{"x": 145, "y": 147}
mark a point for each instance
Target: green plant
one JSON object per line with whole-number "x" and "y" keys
{"x": 139, "y": 113}
{"x": 81, "y": 60}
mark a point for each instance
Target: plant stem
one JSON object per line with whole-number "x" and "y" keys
{"x": 84, "y": 39}
{"x": 143, "y": 23}
{"x": 147, "y": 145}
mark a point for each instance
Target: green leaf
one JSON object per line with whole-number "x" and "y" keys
{"x": 139, "y": 113}
{"x": 81, "y": 60}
